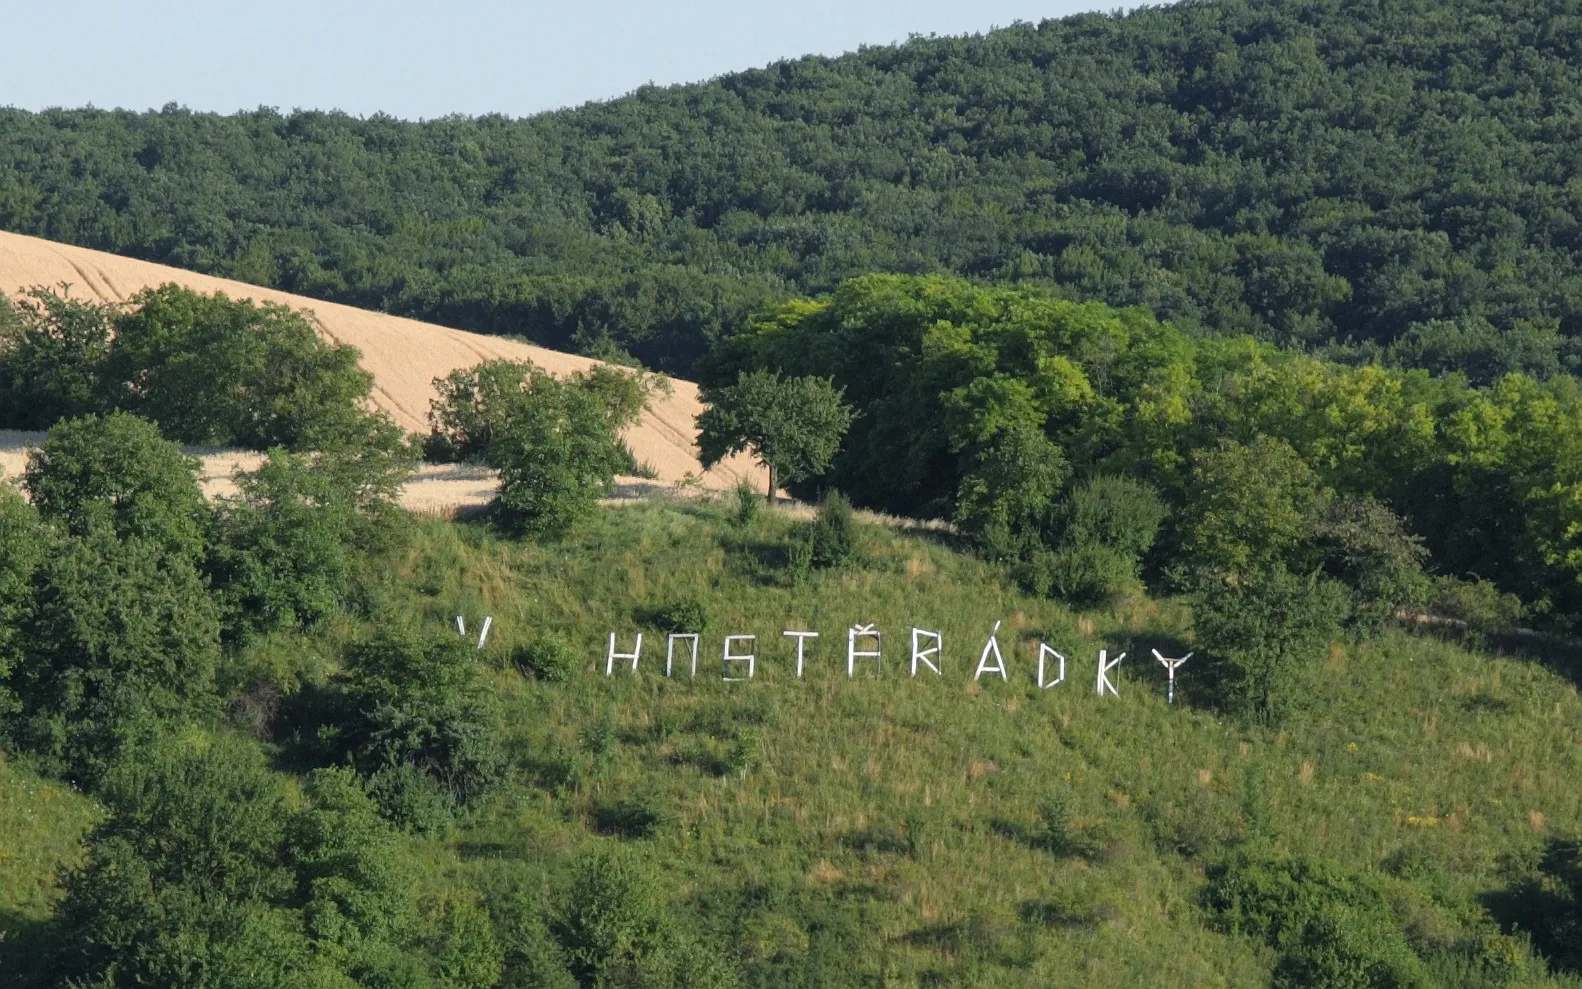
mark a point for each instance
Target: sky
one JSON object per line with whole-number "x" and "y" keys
{"x": 425, "y": 60}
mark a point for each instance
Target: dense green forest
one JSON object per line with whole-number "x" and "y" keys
{"x": 1389, "y": 179}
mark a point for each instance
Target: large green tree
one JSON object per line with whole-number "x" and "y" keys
{"x": 792, "y": 425}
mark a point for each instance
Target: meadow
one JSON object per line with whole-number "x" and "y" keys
{"x": 891, "y": 830}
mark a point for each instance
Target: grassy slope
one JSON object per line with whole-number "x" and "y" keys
{"x": 40, "y": 822}
{"x": 880, "y": 831}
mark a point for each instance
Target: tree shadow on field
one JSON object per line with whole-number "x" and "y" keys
{"x": 1546, "y": 903}
{"x": 1560, "y": 656}
{"x": 25, "y": 946}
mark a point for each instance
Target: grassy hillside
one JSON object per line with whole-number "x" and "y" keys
{"x": 1390, "y": 173}
{"x": 936, "y": 831}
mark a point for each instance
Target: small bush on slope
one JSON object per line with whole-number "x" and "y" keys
{"x": 556, "y": 442}
{"x": 416, "y": 700}
{"x": 202, "y": 876}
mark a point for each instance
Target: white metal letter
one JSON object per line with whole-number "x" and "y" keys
{"x": 727, "y": 658}
{"x": 801, "y": 640}
{"x": 853, "y": 653}
{"x": 670, "y": 649}
{"x": 461, "y": 627}
{"x": 1104, "y": 673}
{"x": 1044, "y": 652}
{"x": 1170, "y": 668}
{"x": 484, "y": 635}
{"x": 612, "y": 655}
{"x": 992, "y": 646}
{"x": 921, "y": 655}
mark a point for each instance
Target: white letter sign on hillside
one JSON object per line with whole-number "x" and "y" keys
{"x": 865, "y": 642}
{"x": 612, "y": 655}
{"x": 1045, "y": 652}
{"x": 483, "y": 636}
{"x": 670, "y": 649}
{"x": 921, "y": 655}
{"x": 992, "y": 646}
{"x": 1104, "y": 673}
{"x": 801, "y": 640}
{"x": 727, "y": 657}
{"x": 1170, "y": 670}
{"x": 853, "y": 653}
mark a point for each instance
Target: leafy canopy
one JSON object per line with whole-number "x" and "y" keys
{"x": 793, "y": 425}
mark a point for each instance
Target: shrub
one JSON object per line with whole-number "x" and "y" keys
{"x": 546, "y": 659}
{"x": 1329, "y": 927}
{"x": 1261, "y": 638}
{"x": 410, "y": 799}
{"x": 122, "y": 634}
{"x": 201, "y": 875}
{"x": 210, "y": 369}
{"x": 1088, "y": 574}
{"x": 681, "y": 616}
{"x": 1366, "y": 546}
{"x": 1116, "y": 513}
{"x": 832, "y": 537}
{"x": 22, "y": 547}
{"x": 52, "y": 354}
{"x": 555, "y": 442}
{"x": 614, "y": 931}
{"x": 1478, "y": 604}
{"x": 287, "y": 551}
{"x": 748, "y": 504}
{"x": 184, "y": 876}
{"x": 472, "y": 409}
{"x": 117, "y": 473}
{"x": 415, "y": 700}
{"x": 1004, "y": 500}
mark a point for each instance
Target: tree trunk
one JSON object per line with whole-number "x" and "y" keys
{"x": 770, "y": 496}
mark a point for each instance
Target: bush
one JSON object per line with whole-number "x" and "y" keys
{"x": 410, "y": 799}
{"x": 210, "y": 369}
{"x": 287, "y": 552}
{"x": 1480, "y": 606}
{"x": 832, "y": 538}
{"x": 748, "y": 504}
{"x": 1116, "y": 513}
{"x": 1366, "y": 546}
{"x": 22, "y": 547}
{"x": 1262, "y": 637}
{"x": 122, "y": 634}
{"x": 52, "y": 354}
{"x": 1329, "y": 928}
{"x": 546, "y": 659}
{"x": 1003, "y": 502}
{"x": 473, "y": 408}
{"x": 555, "y": 442}
{"x": 201, "y": 875}
{"x": 116, "y": 473}
{"x": 1086, "y": 574}
{"x": 682, "y": 616}
{"x": 415, "y": 700}
{"x": 614, "y": 931}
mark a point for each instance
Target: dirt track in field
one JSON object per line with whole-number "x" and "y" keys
{"x": 404, "y": 356}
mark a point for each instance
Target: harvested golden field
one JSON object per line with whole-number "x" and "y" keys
{"x": 404, "y": 355}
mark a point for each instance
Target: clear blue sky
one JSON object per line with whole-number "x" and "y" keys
{"x": 430, "y": 59}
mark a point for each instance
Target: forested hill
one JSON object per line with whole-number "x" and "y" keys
{"x": 1390, "y": 179}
